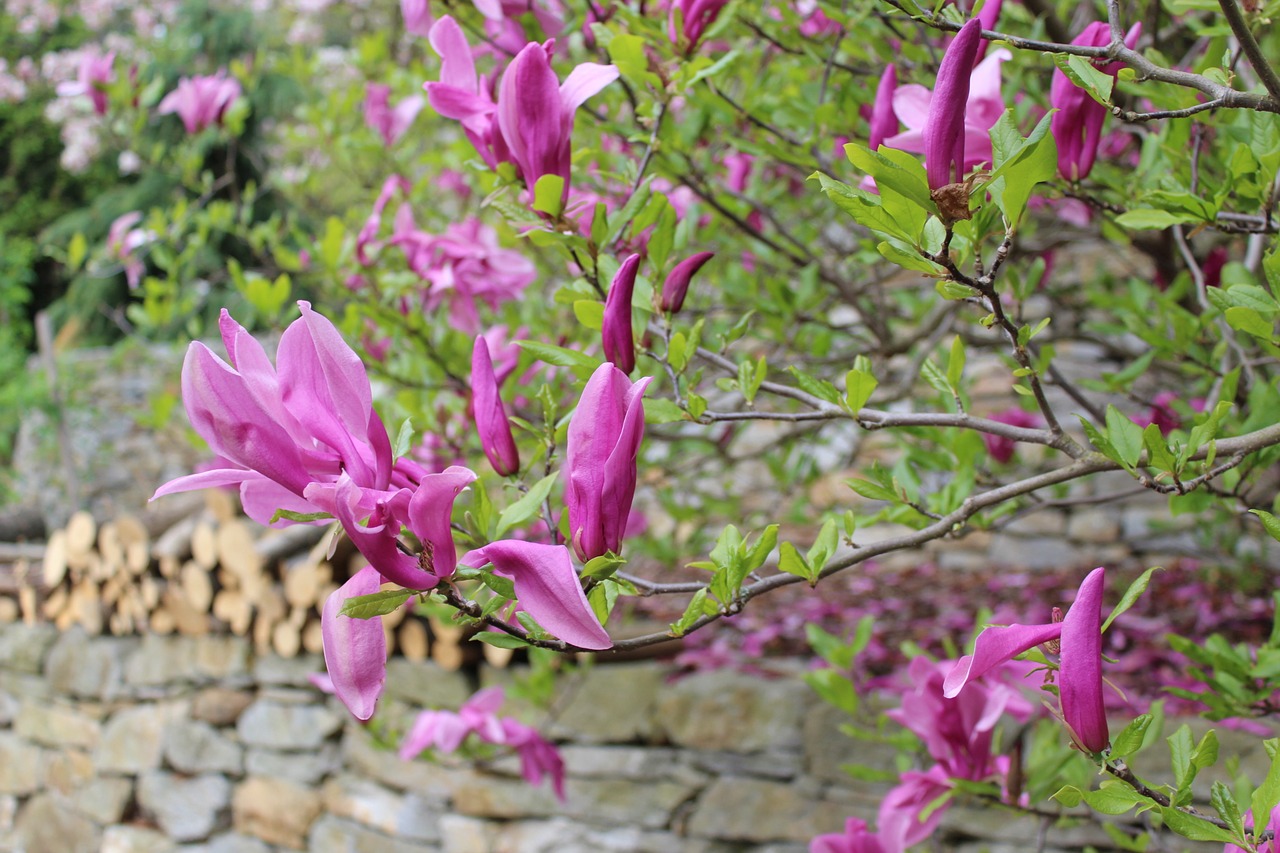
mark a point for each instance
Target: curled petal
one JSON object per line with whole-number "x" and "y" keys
{"x": 1080, "y": 666}
{"x": 547, "y": 587}
{"x": 429, "y": 512}
{"x": 355, "y": 650}
{"x": 994, "y": 647}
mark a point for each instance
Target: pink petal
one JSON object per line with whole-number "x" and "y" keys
{"x": 583, "y": 82}
{"x": 547, "y": 587}
{"x": 994, "y": 647}
{"x": 355, "y": 650}
{"x": 1080, "y": 666}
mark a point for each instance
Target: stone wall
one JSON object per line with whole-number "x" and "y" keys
{"x": 140, "y": 745}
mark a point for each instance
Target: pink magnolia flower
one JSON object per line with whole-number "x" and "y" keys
{"x": 600, "y": 460}
{"x": 676, "y": 286}
{"x": 465, "y": 267}
{"x": 616, "y": 333}
{"x": 1001, "y": 448}
{"x": 1077, "y": 125}
{"x": 355, "y": 650}
{"x": 445, "y": 731}
{"x": 491, "y": 418}
{"x": 856, "y": 838}
{"x": 503, "y": 16}
{"x": 1161, "y": 413}
{"x": 547, "y": 588}
{"x": 201, "y": 101}
{"x": 123, "y": 242}
{"x": 978, "y": 111}
{"x": 1079, "y": 666}
{"x": 280, "y": 429}
{"x": 535, "y": 111}
{"x": 366, "y": 241}
{"x": 92, "y": 79}
{"x": 379, "y": 115}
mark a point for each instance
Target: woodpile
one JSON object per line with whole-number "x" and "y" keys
{"x": 200, "y": 567}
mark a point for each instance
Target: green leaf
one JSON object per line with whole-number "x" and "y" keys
{"x": 499, "y": 639}
{"x": 859, "y": 386}
{"x": 590, "y": 314}
{"x": 1125, "y": 436}
{"x": 896, "y": 170}
{"x": 1081, "y": 71}
{"x": 660, "y": 410}
{"x": 1018, "y": 171}
{"x": 374, "y": 604}
{"x": 1131, "y": 596}
{"x": 548, "y": 195}
{"x": 77, "y": 250}
{"x": 559, "y": 356}
{"x": 693, "y": 612}
{"x": 1158, "y": 453}
{"x": 762, "y": 549}
{"x": 1269, "y": 521}
{"x": 1227, "y": 808}
{"x": 619, "y": 221}
{"x": 404, "y": 438}
{"x": 1130, "y": 740}
{"x": 824, "y": 546}
{"x": 791, "y": 562}
{"x": 909, "y": 260}
{"x": 1250, "y": 321}
{"x": 955, "y": 364}
{"x": 872, "y": 491}
{"x": 528, "y": 506}
{"x": 865, "y": 208}
{"x": 1150, "y": 219}
{"x": 819, "y": 388}
{"x": 1194, "y": 828}
{"x": 301, "y": 517}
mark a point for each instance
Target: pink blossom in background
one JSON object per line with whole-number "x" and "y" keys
{"x": 883, "y": 121}
{"x": 535, "y": 111}
{"x": 1077, "y": 125}
{"x": 815, "y": 22}
{"x": 391, "y": 123}
{"x": 95, "y": 73}
{"x": 445, "y": 732}
{"x": 123, "y": 242}
{"x": 856, "y": 838}
{"x": 200, "y": 101}
{"x": 502, "y": 17}
{"x": 366, "y": 241}
{"x": 417, "y": 16}
{"x": 1001, "y": 448}
{"x": 982, "y": 108}
{"x": 676, "y": 285}
{"x": 1161, "y": 413}
{"x": 464, "y": 266}
{"x": 695, "y": 17}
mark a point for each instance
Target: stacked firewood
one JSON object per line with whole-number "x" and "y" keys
{"x": 202, "y": 569}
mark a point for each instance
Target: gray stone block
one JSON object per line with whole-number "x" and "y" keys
{"x": 726, "y": 710}
{"x": 187, "y": 809}
{"x": 305, "y": 768}
{"x": 45, "y": 824}
{"x": 56, "y": 725}
{"x": 193, "y": 747}
{"x": 277, "y": 726}
{"x": 133, "y": 739}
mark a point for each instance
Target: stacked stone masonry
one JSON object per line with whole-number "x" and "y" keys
{"x": 194, "y": 745}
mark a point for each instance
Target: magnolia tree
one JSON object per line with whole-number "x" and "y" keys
{"x": 627, "y": 279}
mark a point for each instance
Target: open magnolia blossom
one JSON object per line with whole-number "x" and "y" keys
{"x": 1079, "y": 666}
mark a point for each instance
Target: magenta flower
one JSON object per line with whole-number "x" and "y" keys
{"x": 491, "y": 418}
{"x": 417, "y": 16}
{"x": 538, "y": 757}
{"x": 856, "y": 838}
{"x": 695, "y": 17}
{"x": 461, "y": 95}
{"x": 355, "y": 650}
{"x": 1161, "y": 414}
{"x": 277, "y": 430}
{"x": 366, "y": 241}
{"x": 600, "y": 460}
{"x": 1079, "y": 665}
{"x": 944, "y": 128}
{"x": 676, "y": 286}
{"x": 380, "y": 116}
{"x": 1001, "y": 448}
{"x": 547, "y": 588}
{"x": 913, "y": 104}
{"x": 123, "y": 242}
{"x": 616, "y": 334}
{"x": 535, "y": 111}
{"x": 1077, "y": 125}
{"x": 987, "y": 18}
{"x": 884, "y": 123}
{"x": 465, "y": 267}
{"x": 201, "y": 101}
{"x": 94, "y": 75}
